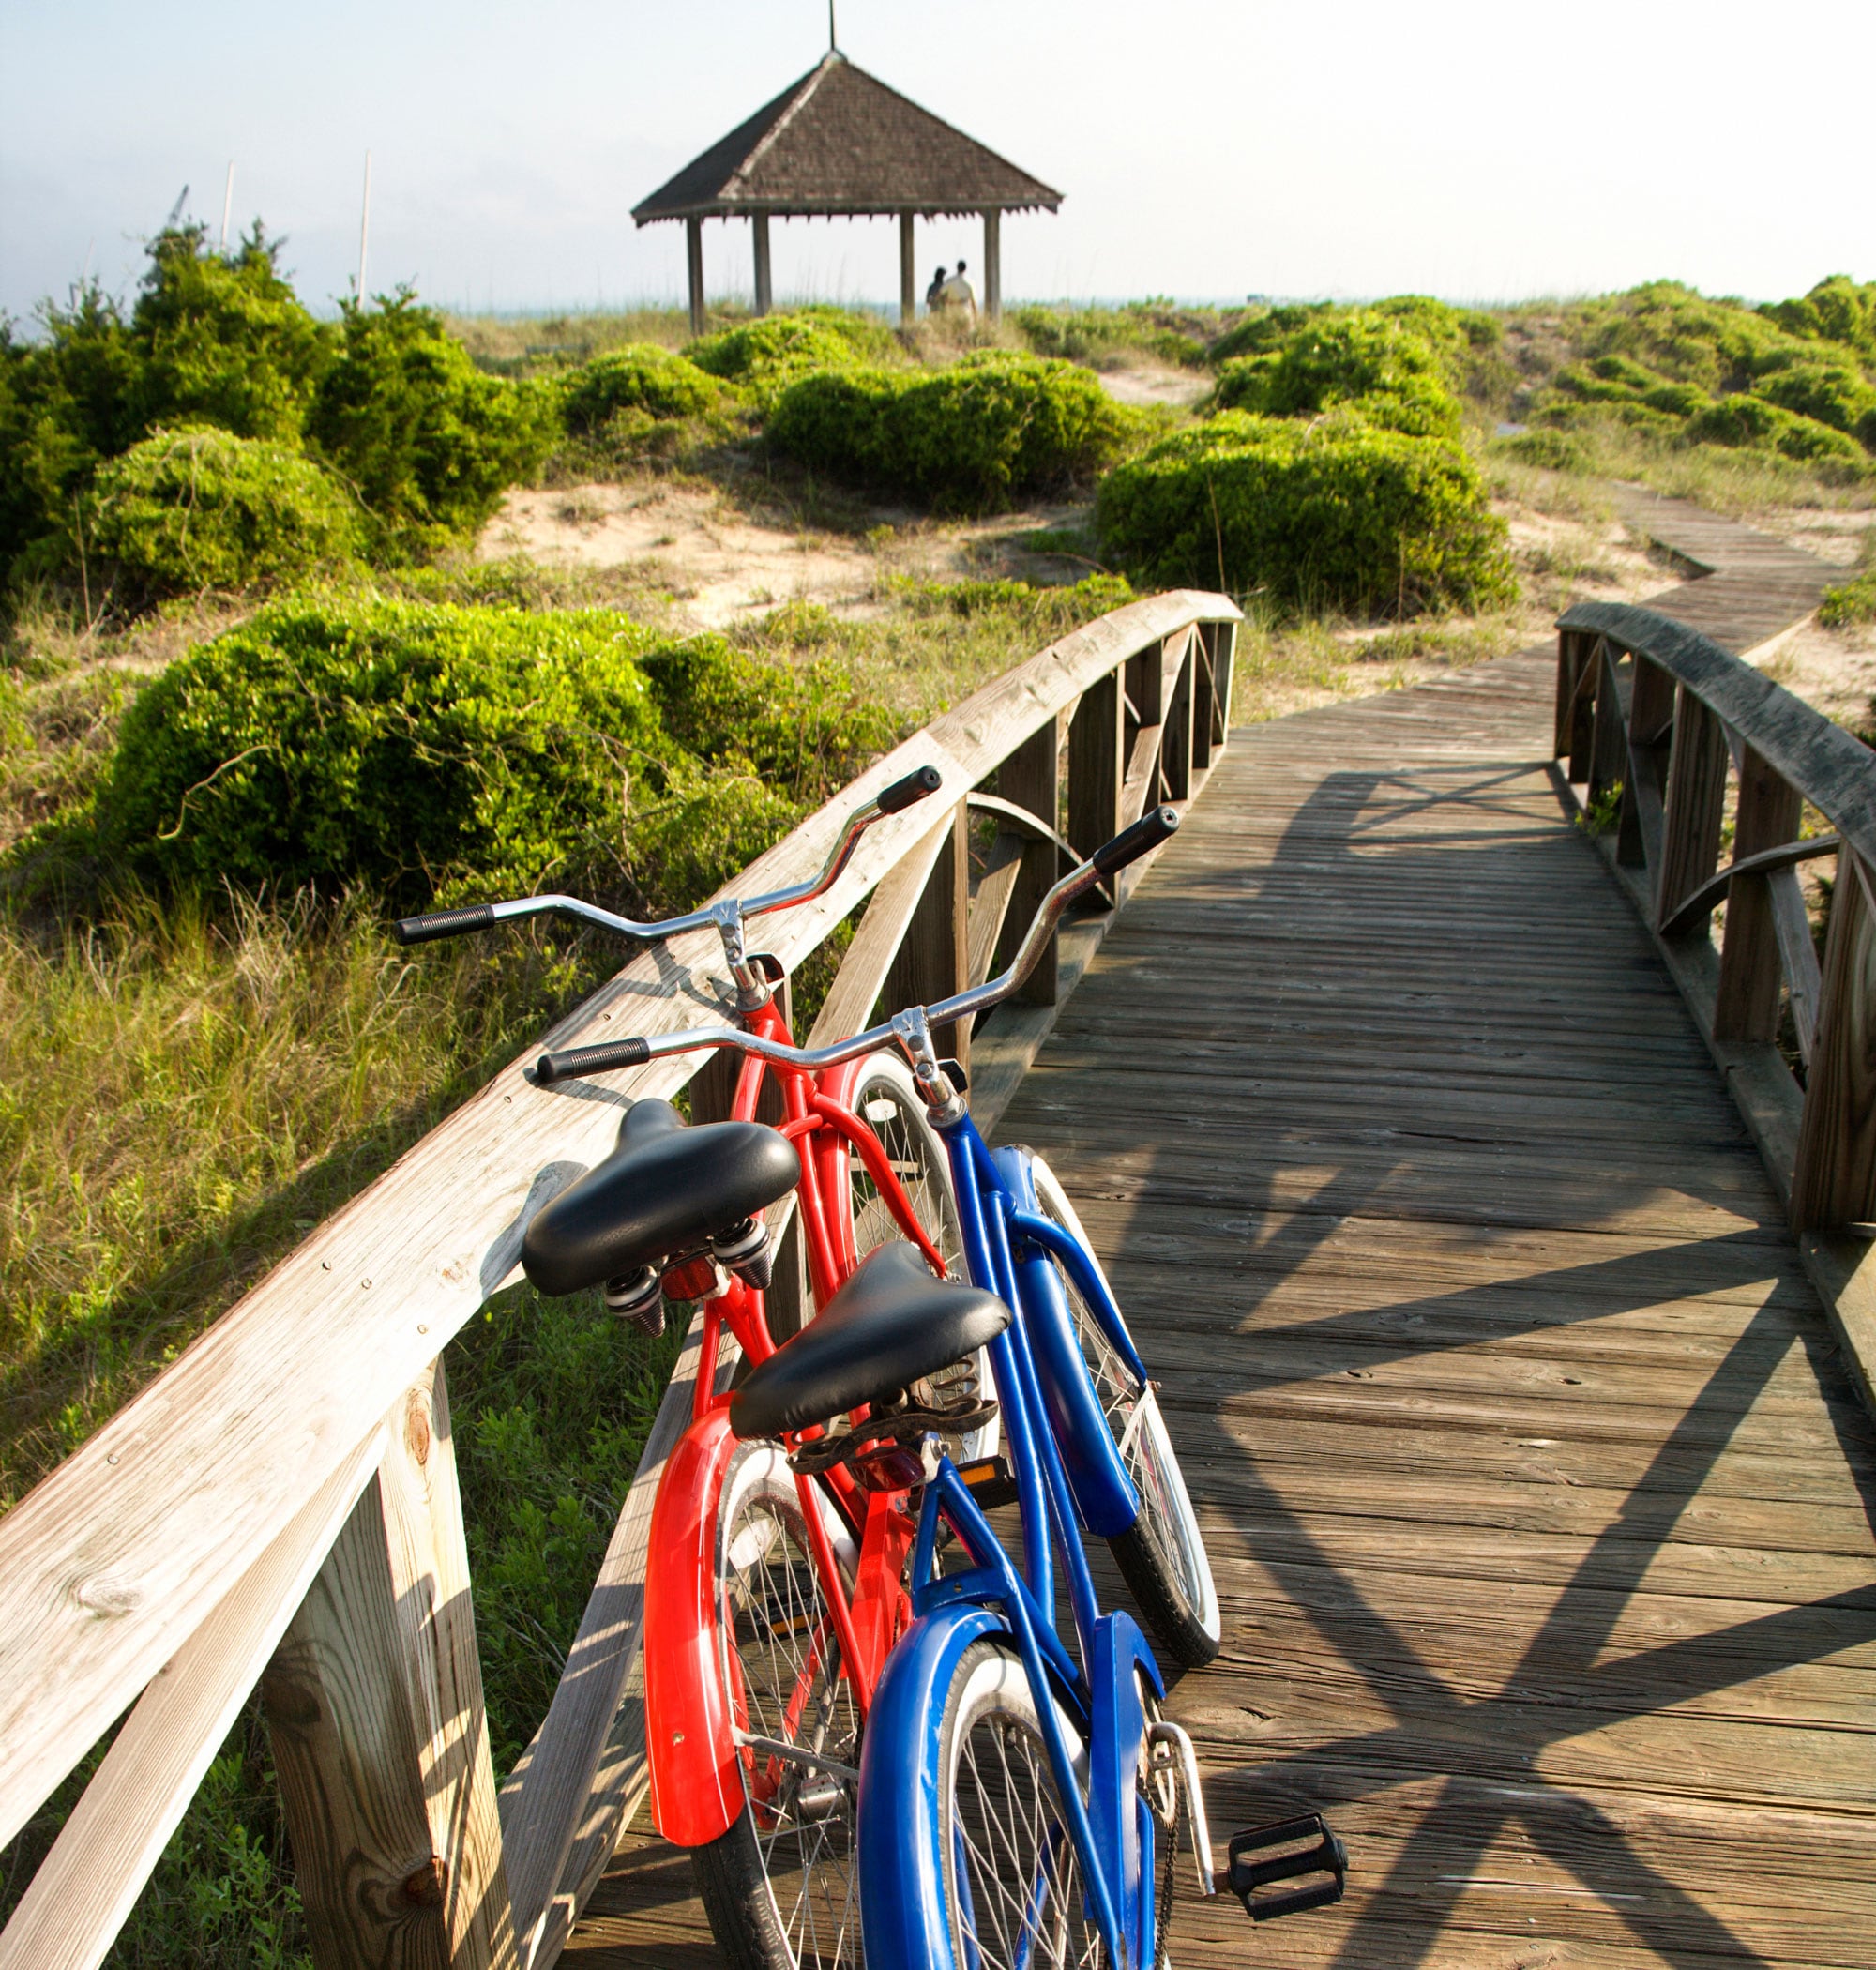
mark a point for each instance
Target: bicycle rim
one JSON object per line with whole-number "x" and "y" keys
{"x": 781, "y": 1665}
{"x": 1013, "y": 1888}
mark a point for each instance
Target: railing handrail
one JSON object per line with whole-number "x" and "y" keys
{"x": 1835, "y": 771}
{"x": 143, "y": 1545}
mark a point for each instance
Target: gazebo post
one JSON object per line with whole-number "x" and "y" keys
{"x": 765, "y": 288}
{"x": 693, "y": 242}
{"x": 992, "y": 264}
{"x": 908, "y": 272}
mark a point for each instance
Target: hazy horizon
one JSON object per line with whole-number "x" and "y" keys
{"x": 1468, "y": 151}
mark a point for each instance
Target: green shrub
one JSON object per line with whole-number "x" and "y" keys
{"x": 970, "y": 437}
{"x": 1749, "y": 420}
{"x": 764, "y": 356}
{"x": 1269, "y": 330}
{"x": 639, "y": 377}
{"x": 188, "y": 511}
{"x": 428, "y": 441}
{"x": 1549, "y": 450}
{"x": 224, "y": 339}
{"x": 1836, "y": 310}
{"x": 1831, "y": 392}
{"x": 1395, "y": 375}
{"x": 1850, "y": 603}
{"x": 1338, "y": 513}
{"x": 335, "y": 740}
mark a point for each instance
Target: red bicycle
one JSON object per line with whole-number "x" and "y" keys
{"x": 776, "y": 1591}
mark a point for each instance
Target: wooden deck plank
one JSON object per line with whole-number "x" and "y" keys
{"x": 1540, "y": 1501}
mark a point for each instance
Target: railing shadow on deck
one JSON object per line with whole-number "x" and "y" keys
{"x": 258, "y": 1514}
{"x": 1559, "y": 1686}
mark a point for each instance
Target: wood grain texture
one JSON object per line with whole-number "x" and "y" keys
{"x": 347, "y": 1750}
{"x": 1835, "y": 1181}
{"x": 932, "y": 961}
{"x": 1098, "y": 766}
{"x": 1693, "y": 810}
{"x": 1031, "y": 778}
{"x": 82, "y": 1891}
{"x": 436, "y": 1631}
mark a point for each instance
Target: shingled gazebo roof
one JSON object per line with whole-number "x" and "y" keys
{"x": 839, "y": 140}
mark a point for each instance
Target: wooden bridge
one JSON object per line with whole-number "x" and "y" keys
{"x": 1507, "y": 1285}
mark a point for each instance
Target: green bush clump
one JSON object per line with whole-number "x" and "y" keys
{"x": 1394, "y": 376}
{"x": 764, "y": 356}
{"x": 1850, "y": 603}
{"x": 1830, "y": 392}
{"x": 1836, "y": 310}
{"x": 639, "y": 377}
{"x": 188, "y": 511}
{"x": 970, "y": 437}
{"x": 429, "y": 442}
{"x": 1338, "y": 512}
{"x": 224, "y": 339}
{"x": 1743, "y": 419}
{"x": 1269, "y": 329}
{"x": 1548, "y": 450}
{"x": 334, "y": 740}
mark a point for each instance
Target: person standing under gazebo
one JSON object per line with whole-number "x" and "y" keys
{"x": 958, "y": 294}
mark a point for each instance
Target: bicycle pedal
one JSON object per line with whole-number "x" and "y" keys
{"x": 989, "y": 1481}
{"x": 1308, "y": 1848}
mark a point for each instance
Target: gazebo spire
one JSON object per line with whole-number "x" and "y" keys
{"x": 840, "y": 142}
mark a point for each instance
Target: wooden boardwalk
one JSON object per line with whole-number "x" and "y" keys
{"x": 1541, "y": 1504}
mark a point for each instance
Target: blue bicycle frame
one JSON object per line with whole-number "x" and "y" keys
{"x": 1068, "y": 1479}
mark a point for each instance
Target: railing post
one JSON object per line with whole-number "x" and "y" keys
{"x": 1746, "y": 1006}
{"x": 1650, "y": 712}
{"x": 1175, "y": 745}
{"x": 1608, "y": 744}
{"x": 1834, "y": 1182}
{"x": 1031, "y": 778}
{"x": 374, "y": 1700}
{"x": 933, "y": 958}
{"x": 1097, "y": 765}
{"x": 1221, "y": 645}
{"x": 1576, "y": 653}
{"x": 1695, "y": 805}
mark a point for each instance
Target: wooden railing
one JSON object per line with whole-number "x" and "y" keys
{"x": 264, "y": 1514}
{"x": 1690, "y": 737}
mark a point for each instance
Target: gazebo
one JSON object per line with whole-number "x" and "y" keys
{"x": 839, "y": 143}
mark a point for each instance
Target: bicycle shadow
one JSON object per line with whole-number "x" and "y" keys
{"x": 1334, "y": 1074}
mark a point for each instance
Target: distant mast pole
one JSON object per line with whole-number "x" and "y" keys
{"x": 833, "y": 40}
{"x": 364, "y": 230}
{"x": 227, "y": 203}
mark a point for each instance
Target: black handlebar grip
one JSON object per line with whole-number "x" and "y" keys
{"x": 443, "y": 923}
{"x": 1132, "y": 843}
{"x": 569, "y": 1065}
{"x": 905, "y": 793}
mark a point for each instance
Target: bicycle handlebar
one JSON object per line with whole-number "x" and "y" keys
{"x": 916, "y": 786}
{"x": 1109, "y": 859}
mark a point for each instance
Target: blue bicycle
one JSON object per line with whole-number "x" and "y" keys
{"x": 1020, "y": 1791}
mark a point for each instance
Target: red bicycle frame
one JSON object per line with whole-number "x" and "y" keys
{"x": 698, "y": 1770}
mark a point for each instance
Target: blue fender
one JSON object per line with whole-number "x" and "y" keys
{"x": 1123, "y": 1826}
{"x": 1104, "y": 1495}
{"x": 901, "y": 1879}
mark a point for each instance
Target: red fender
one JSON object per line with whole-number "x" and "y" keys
{"x": 696, "y": 1792}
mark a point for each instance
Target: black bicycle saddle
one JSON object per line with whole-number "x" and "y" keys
{"x": 891, "y": 1324}
{"x": 664, "y": 1190}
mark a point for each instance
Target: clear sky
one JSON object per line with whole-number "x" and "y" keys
{"x": 1478, "y": 151}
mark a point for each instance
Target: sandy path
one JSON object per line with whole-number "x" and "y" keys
{"x": 721, "y": 563}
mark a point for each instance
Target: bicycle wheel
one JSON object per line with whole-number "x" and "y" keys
{"x": 1012, "y": 1881}
{"x": 1161, "y": 1555}
{"x": 780, "y": 1887}
{"x": 887, "y": 1097}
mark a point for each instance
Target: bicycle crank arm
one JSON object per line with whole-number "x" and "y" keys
{"x": 1162, "y": 1730}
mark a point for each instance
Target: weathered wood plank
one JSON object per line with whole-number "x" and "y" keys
{"x": 1834, "y": 1180}
{"x": 72, "y": 1911}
